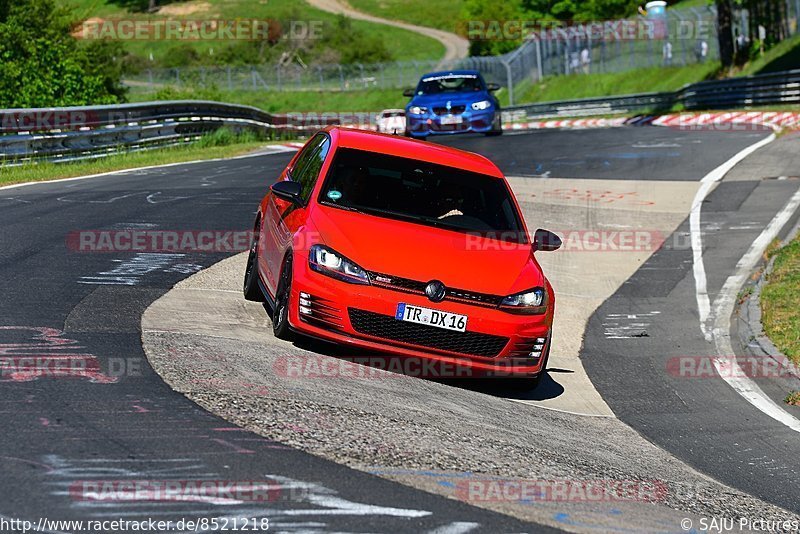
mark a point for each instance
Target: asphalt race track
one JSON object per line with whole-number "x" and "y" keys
{"x": 64, "y": 431}
{"x": 118, "y": 421}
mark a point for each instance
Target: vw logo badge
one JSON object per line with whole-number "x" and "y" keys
{"x": 435, "y": 291}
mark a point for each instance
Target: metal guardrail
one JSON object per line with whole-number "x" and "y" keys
{"x": 765, "y": 89}
{"x": 65, "y": 134}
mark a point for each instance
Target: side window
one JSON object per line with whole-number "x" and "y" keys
{"x": 309, "y": 164}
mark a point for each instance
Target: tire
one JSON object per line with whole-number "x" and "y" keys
{"x": 251, "y": 289}
{"x": 497, "y": 126}
{"x": 280, "y": 314}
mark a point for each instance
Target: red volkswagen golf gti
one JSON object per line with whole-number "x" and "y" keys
{"x": 406, "y": 248}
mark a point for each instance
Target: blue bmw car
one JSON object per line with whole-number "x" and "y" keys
{"x": 452, "y": 102}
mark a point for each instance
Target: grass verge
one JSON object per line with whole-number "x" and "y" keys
{"x": 222, "y": 144}
{"x": 648, "y": 80}
{"x": 404, "y": 44}
{"x": 441, "y": 14}
{"x": 780, "y": 300}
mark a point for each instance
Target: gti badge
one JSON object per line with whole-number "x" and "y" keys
{"x": 435, "y": 291}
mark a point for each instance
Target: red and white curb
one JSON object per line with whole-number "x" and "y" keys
{"x": 730, "y": 121}
{"x": 574, "y": 124}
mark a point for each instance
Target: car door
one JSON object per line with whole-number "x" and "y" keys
{"x": 283, "y": 218}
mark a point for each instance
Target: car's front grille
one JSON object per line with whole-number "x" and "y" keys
{"x": 454, "y": 110}
{"x": 418, "y": 288}
{"x": 389, "y": 328}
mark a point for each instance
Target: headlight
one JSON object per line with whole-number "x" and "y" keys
{"x": 331, "y": 263}
{"x": 533, "y": 302}
{"x": 417, "y": 110}
{"x": 483, "y": 104}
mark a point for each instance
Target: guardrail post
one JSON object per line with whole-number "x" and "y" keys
{"x": 539, "y": 72}
{"x": 510, "y": 83}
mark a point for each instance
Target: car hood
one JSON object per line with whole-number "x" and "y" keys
{"x": 423, "y": 253}
{"x": 455, "y": 99}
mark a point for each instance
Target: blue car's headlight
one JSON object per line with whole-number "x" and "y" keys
{"x": 417, "y": 110}
{"x": 329, "y": 262}
{"x": 480, "y": 106}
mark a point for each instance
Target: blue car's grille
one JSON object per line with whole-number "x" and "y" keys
{"x": 454, "y": 110}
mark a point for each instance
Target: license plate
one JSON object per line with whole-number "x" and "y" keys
{"x": 437, "y": 318}
{"x": 451, "y": 119}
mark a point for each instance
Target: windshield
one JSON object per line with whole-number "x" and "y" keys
{"x": 422, "y": 193}
{"x": 449, "y": 84}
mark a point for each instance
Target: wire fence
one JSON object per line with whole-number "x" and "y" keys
{"x": 685, "y": 37}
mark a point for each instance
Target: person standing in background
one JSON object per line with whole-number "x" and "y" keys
{"x": 586, "y": 60}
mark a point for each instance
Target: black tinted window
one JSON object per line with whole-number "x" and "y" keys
{"x": 449, "y": 84}
{"x": 422, "y": 193}
{"x": 309, "y": 163}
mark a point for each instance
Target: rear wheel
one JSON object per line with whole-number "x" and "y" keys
{"x": 280, "y": 315}
{"x": 251, "y": 289}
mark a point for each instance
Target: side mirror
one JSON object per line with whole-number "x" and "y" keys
{"x": 492, "y": 86}
{"x": 287, "y": 190}
{"x": 546, "y": 241}
{"x": 409, "y": 92}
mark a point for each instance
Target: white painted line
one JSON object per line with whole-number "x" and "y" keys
{"x": 716, "y": 326}
{"x": 723, "y": 309}
{"x": 537, "y": 404}
{"x": 707, "y": 184}
{"x": 273, "y": 149}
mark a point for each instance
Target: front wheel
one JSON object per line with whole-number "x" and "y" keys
{"x": 280, "y": 315}
{"x": 497, "y": 126}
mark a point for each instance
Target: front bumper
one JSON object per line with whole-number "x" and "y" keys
{"x": 496, "y": 343}
{"x": 431, "y": 124}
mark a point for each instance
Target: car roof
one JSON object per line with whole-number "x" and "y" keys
{"x": 450, "y": 73}
{"x": 395, "y": 145}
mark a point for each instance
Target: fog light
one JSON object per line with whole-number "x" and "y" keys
{"x": 305, "y": 295}
{"x": 304, "y": 301}
{"x": 305, "y": 311}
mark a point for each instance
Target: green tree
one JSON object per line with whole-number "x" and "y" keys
{"x": 725, "y": 32}
{"x": 42, "y": 64}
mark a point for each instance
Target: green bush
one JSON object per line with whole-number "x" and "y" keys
{"x": 225, "y": 137}
{"x": 42, "y": 64}
{"x": 352, "y": 44}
